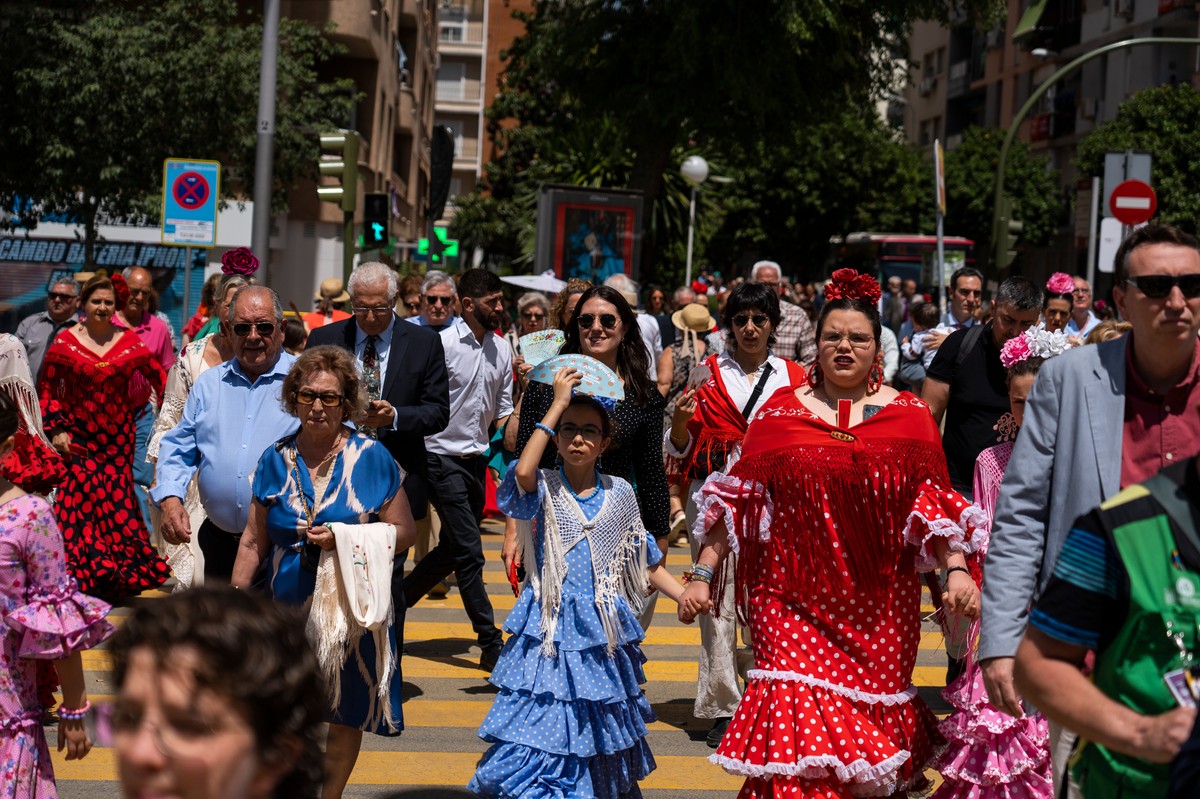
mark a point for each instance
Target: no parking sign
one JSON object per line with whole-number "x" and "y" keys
{"x": 190, "y": 192}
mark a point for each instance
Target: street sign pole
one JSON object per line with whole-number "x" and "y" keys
{"x": 348, "y": 247}
{"x": 187, "y": 282}
{"x": 1093, "y": 230}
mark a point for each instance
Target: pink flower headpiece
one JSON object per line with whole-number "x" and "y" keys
{"x": 1060, "y": 283}
{"x": 239, "y": 261}
{"x": 1033, "y": 343}
{"x": 848, "y": 284}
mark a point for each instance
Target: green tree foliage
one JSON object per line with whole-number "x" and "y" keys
{"x": 1162, "y": 121}
{"x": 630, "y": 87}
{"x": 785, "y": 204}
{"x": 971, "y": 184}
{"x": 98, "y": 93}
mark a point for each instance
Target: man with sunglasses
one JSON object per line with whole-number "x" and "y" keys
{"x": 481, "y": 383}
{"x": 233, "y": 413}
{"x": 39, "y": 330}
{"x": 1099, "y": 418}
{"x": 439, "y": 302}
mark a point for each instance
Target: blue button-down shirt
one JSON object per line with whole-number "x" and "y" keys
{"x": 227, "y": 424}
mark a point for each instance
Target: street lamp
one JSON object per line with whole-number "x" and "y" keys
{"x": 1064, "y": 71}
{"x": 695, "y": 171}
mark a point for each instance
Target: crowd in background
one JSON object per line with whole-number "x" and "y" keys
{"x": 824, "y": 449}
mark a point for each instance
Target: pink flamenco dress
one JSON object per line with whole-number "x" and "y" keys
{"x": 43, "y": 616}
{"x": 990, "y": 754}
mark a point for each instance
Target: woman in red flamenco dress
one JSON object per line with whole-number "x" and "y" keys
{"x": 839, "y": 499}
{"x": 94, "y": 379}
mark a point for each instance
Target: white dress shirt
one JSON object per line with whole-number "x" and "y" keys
{"x": 737, "y": 384}
{"x": 481, "y": 383}
{"x": 383, "y": 346}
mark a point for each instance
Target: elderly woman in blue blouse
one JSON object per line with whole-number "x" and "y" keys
{"x": 327, "y": 502}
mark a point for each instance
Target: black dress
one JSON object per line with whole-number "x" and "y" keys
{"x": 636, "y": 452}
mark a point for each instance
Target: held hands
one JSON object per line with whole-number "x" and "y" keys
{"x": 961, "y": 595}
{"x": 565, "y": 381}
{"x": 694, "y": 601}
{"x": 72, "y": 736}
{"x": 322, "y": 536}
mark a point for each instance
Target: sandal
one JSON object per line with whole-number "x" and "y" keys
{"x": 679, "y": 528}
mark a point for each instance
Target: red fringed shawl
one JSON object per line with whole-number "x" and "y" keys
{"x": 838, "y": 500}
{"x": 718, "y": 425}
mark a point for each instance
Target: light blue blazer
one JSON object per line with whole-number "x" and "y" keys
{"x": 1067, "y": 460}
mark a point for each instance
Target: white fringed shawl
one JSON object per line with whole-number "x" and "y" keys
{"x": 354, "y": 593}
{"x": 618, "y": 542}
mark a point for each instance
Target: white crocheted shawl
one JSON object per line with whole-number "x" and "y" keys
{"x": 617, "y": 539}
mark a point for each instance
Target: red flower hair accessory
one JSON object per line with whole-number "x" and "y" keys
{"x": 239, "y": 261}
{"x": 849, "y": 284}
{"x": 120, "y": 290}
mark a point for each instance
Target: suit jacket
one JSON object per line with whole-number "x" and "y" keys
{"x": 1066, "y": 462}
{"x": 417, "y": 386}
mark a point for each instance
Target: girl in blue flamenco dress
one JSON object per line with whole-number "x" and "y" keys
{"x": 570, "y": 719}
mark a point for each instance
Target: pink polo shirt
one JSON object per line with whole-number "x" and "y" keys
{"x": 154, "y": 335}
{"x": 1160, "y": 429}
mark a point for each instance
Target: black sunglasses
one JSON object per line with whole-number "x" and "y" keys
{"x": 55, "y": 295}
{"x": 438, "y": 300}
{"x": 413, "y": 306}
{"x": 1158, "y": 286}
{"x": 265, "y": 329}
{"x": 759, "y": 320}
{"x": 607, "y": 321}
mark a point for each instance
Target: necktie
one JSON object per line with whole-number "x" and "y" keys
{"x": 371, "y": 375}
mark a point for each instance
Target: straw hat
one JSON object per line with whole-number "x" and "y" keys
{"x": 334, "y": 290}
{"x": 694, "y": 317}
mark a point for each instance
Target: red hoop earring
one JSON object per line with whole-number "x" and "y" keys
{"x": 875, "y": 377}
{"x": 815, "y": 376}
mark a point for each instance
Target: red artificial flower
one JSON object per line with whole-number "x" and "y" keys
{"x": 849, "y": 284}
{"x": 120, "y": 290}
{"x": 239, "y": 261}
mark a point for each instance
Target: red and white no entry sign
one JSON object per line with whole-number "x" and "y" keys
{"x": 1133, "y": 202}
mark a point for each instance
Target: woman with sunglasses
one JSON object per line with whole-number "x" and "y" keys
{"x": 835, "y": 504}
{"x": 328, "y": 473}
{"x": 604, "y": 327}
{"x": 709, "y": 422}
{"x": 195, "y": 359}
{"x": 95, "y": 378}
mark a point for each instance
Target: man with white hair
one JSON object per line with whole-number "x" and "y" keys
{"x": 439, "y": 302}
{"x": 795, "y": 338}
{"x": 651, "y": 334}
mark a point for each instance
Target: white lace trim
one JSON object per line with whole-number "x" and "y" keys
{"x": 864, "y": 779}
{"x": 919, "y": 531}
{"x": 713, "y": 505}
{"x": 887, "y": 700}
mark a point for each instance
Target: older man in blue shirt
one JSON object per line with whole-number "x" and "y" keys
{"x": 233, "y": 414}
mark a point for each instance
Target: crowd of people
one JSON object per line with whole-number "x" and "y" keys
{"x": 825, "y": 451}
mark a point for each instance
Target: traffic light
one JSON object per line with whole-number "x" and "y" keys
{"x": 375, "y": 221}
{"x": 1007, "y": 234}
{"x": 339, "y": 160}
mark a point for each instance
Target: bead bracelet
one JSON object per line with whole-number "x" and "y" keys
{"x": 547, "y": 430}
{"x": 75, "y": 714}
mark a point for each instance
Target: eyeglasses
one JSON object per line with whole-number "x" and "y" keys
{"x": 759, "y": 320}
{"x": 60, "y": 297}
{"x": 377, "y": 311}
{"x": 413, "y": 306}
{"x": 432, "y": 300}
{"x": 528, "y": 315}
{"x": 139, "y": 292}
{"x": 265, "y": 329}
{"x": 330, "y": 399}
{"x": 589, "y": 431}
{"x": 1085, "y": 292}
{"x": 860, "y": 341}
{"x": 607, "y": 321}
{"x": 186, "y": 736}
{"x": 1156, "y": 287}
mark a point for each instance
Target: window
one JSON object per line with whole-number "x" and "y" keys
{"x": 452, "y": 23}
{"x": 451, "y": 80}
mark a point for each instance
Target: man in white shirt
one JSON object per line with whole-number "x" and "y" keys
{"x": 1082, "y": 321}
{"x": 481, "y": 381}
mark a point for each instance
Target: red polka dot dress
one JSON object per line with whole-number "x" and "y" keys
{"x": 831, "y": 527}
{"x": 96, "y": 399}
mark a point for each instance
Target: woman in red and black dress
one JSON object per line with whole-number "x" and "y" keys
{"x": 95, "y": 377}
{"x": 839, "y": 499}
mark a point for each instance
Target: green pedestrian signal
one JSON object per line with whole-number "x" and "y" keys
{"x": 375, "y": 221}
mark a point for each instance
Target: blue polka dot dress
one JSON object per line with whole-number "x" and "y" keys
{"x": 571, "y": 725}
